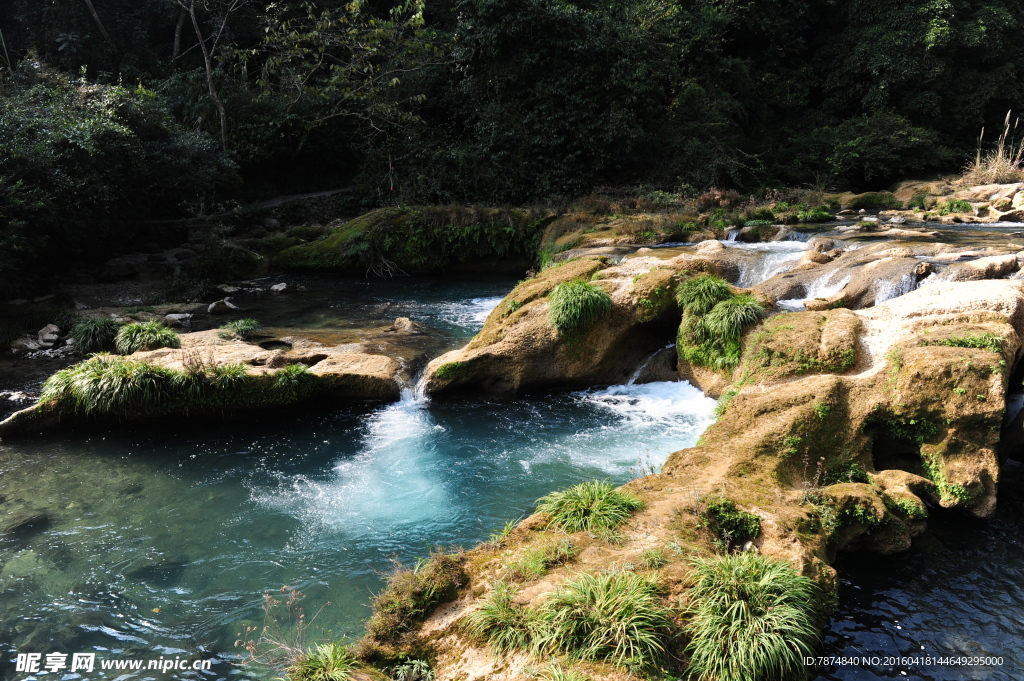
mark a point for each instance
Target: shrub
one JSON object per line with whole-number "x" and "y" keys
{"x": 589, "y": 506}
{"x": 411, "y": 594}
{"x": 819, "y": 214}
{"x": 752, "y": 619}
{"x": 616, "y": 617}
{"x": 503, "y": 624}
{"x": 413, "y": 670}
{"x": 243, "y": 328}
{"x": 93, "y": 335}
{"x": 536, "y": 560}
{"x": 698, "y": 295}
{"x": 955, "y": 206}
{"x": 326, "y": 662}
{"x": 918, "y": 201}
{"x": 145, "y": 336}
{"x": 875, "y": 200}
{"x": 1001, "y": 165}
{"x": 575, "y": 304}
{"x": 730, "y": 525}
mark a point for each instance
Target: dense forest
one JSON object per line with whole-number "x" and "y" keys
{"x": 119, "y": 111}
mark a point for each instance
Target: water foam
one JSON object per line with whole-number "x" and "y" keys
{"x": 771, "y": 258}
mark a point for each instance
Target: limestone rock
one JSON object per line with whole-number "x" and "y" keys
{"x": 224, "y": 306}
{"x": 279, "y": 288}
{"x": 49, "y": 335}
{"x": 991, "y": 267}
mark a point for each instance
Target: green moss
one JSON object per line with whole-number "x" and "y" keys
{"x": 875, "y": 200}
{"x": 535, "y": 561}
{"x": 419, "y": 239}
{"x": 846, "y": 471}
{"x": 981, "y": 341}
{"x": 729, "y": 524}
{"x": 913, "y": 510}
{"x": 450, "y": 370}
{"x": 948, "y": 492}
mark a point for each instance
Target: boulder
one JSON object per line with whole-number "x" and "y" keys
{"x": 49, "y": 335}
{"x": 124, "y": 266}
{"x": 991, "y": 267}
{"x": 178, "y": 319}
{"x": 279, "y": 288}
{"x": 224, "y": 306}
{"x": 26, "y": 344}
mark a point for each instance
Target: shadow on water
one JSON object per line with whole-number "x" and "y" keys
{"x": 958, "y": 593}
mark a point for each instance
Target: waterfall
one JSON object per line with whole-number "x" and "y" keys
{"x": 887, "y": 290}
{"x": 732, "y": 234}
{"x": 643, "y": 365}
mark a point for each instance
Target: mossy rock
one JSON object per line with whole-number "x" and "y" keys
{"x": 420, "y": 239}
{"x": 801, "y": 343}
{"x": 654, "y": 295}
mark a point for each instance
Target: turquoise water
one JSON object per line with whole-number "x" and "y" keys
{"x": 163, "y": 541}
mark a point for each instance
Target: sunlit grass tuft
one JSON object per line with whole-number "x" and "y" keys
{"x": 589, "y": 506}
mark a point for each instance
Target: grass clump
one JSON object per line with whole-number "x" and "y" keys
{"x": 817, "y": 214}
{"x": 697, "y": 296}
{"x": 410, "y": 594}
{"x": 145, "y": 336}
{"x": 575, "y": 304}
{"x": 590, "y": 506}
{"x": 1001, "y": 165}
{"x": 615, "y": 617}
{"x": 557, "y": 673}
{"x": 243, "y": 328}
{"x": 109, "y": 385}
{"x": 503, "y": 624}
{"x": 94, "y": 335}
{"x": 652, "y": 559}
{"x": 982, "y": 341}
{"x": 714, "y": 319}
{"x": 325, "y": 662}
{"x": 955, "y": 206}
{"x": 536, "y": 560}
{"x": 729, "y": 524}
{"x": 752, "y": 619}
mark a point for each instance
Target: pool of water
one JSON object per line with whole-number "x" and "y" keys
{"x": 137, "y": 543}
{"x": 959, "y": 592}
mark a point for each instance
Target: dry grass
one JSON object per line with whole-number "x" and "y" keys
{"x": 1001, "y": 165}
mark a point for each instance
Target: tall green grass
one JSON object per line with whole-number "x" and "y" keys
{"x": 109, "y": 385}
{"x": 589, "y": 505}
{"x": 145, "y": 336}
{"x": 507, "y": 627}
{"x": 94, "y": 335}
{"x": 410, "y": 594}
{"x": 575, "y": 304}
{"x": 714, "y": 319}
{"x": 752, "y": 619}
{"x": 615, "y": 617}
{"x": 325, "y": 662}
{"x": 697, "y": 296}
{"x": 243, "y": 328}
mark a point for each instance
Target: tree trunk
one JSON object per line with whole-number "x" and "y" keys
{"x": 99, "y": 24}
{"x": 176, "y": 52}
{"x": 208, "y": 62}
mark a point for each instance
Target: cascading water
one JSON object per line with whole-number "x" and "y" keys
{"x": 767, "y": 259}
{"x": 887, "y": 290}
{"x": 643, "y": 365}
